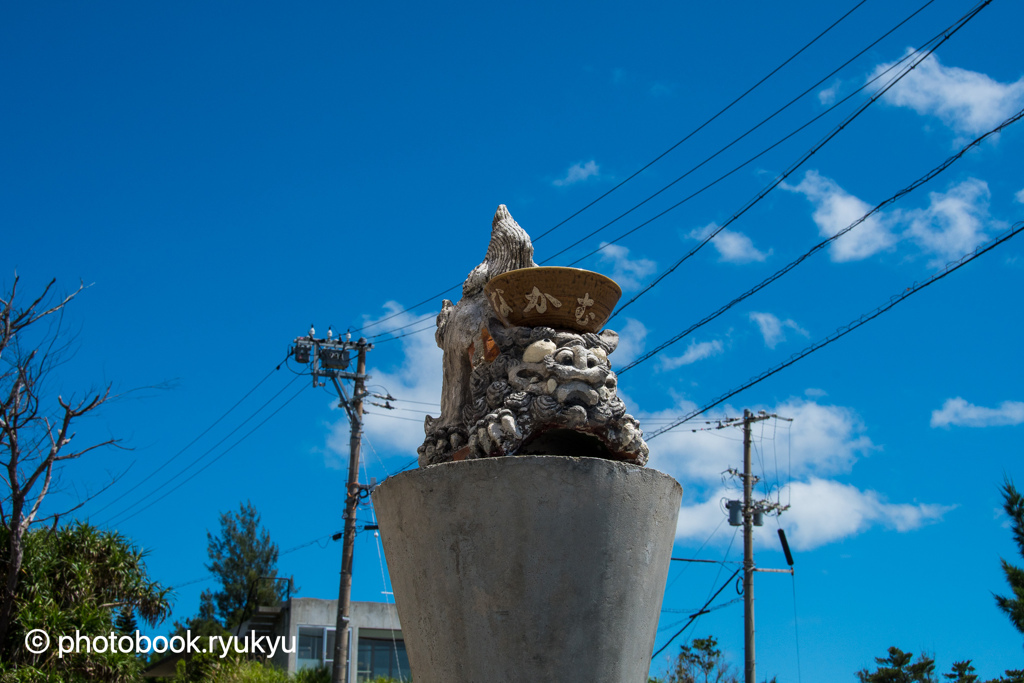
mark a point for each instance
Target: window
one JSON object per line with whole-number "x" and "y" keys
{"x": 382, "y": 657}
{"x": 315, "y": 647}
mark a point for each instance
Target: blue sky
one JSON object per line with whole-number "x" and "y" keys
{"x": 223, "y": 175}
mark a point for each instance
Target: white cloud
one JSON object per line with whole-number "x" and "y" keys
{"x": 957, "y": 411}
{"x": 694, "y": 352}
{"x": 954, "y": 222}
{"x": 1019, "y": 197}
{"x": 698, "y": 520}
{"x": 822, "y": 511}
{"x": 825, "y": 440}
{"x": 773, "y": 329}
{"x": 834, "y": 210}
{"x": 967, "y": 101}
{"x": 732, "y": 247}
{"x": 829, "y": 94}
{"x": 577, "y": 173}
{"x": 416, "y": 378}
{"x": 631, "y": 343}
{"x": 626, "y": 271}
{"x": 825, "y": 511}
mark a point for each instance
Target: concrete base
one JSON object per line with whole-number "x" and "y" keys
{"x": 529, "y": 568}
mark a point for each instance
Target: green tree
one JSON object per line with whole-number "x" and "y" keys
{"x": 1010, "y": 676}
{"x": 1013, "y": 607}
{"x": 898, "y": 668}
{"x": 242, "y": 558}
{"x": 962, "y": 672}
{"x": 701, "y": 662}
{"x": 79, "y": 578}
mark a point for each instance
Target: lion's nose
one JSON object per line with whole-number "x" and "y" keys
{"x": 579, "y": 357}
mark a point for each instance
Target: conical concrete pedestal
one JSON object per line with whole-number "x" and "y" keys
{"x": 529, "y": 569}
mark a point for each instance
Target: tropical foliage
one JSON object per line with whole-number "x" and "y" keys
{"x": 78, "y": 579}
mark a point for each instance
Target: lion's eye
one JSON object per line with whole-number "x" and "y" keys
{"x": 592, "y": 362}
{"x": 564, "y": 357}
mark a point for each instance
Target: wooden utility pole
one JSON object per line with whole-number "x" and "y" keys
{"x": 330, "y": 358}
{"x": 339, "y": 674}
{"x": 753, "y": 515}
{"x": 748, "y": 554}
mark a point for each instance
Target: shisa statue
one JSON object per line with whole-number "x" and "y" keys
{"x": 526, "y": 370}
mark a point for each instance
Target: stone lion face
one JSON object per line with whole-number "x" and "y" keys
{"x": 540, "y": 391}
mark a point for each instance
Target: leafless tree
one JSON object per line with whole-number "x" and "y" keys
{"x": 35, "y": 432}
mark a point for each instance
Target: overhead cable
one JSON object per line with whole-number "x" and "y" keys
{"x": 702, "y": 610}
{"x": 822, "y": 244}
{"x": 211, "y": 462}
{"x": 429, "y": 316}
{"x": 744, "y": 135}
{"x": 201, "y": 435}
{"x": 148, "y": 497}
{"x": 846, "y": 329}
{"x": 806, "y": 156}
{"x": 704, "y": 188}
{"x": 646, "y": 166}
{"x": 428, "y": 326}
{"x": 705, "y": 124}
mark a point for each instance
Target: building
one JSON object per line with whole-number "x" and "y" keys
{"x": 376, "y": 646}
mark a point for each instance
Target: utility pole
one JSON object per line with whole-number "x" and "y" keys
{"x": 330, "y": 358}
{"x": 748, "y": 555}
{"x": 341, "y": 631}
{"x": 751, "y": 512}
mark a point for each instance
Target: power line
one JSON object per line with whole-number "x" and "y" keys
{"x": 425, "y": 318}
{"x": 700, "y": 128}
{"x": 211, "y": 462}
{"x": 705, "y": 161}
{"x": 283, "y": 552}
{"x": 203, "y": 455}
{"x": 694, "y": 616}
{"x": 192, "y": 581}
{"x": 201, "y": 435}
{"x": 702, "y": 189}
{"x": 822, "y": 244}
{"x": 394, "y": 417}
{"x": 307, "y": 544}
{"x": 850, "y": 327}
{"x": 406, "y": 310}
{"x": 646, "y": 166}
{"x": 757, "y": 156}
{"x": 741, "y": 137}
{"x": 426, "y": 327}
{"x": 387, "y": 406}
{"x": 807, "y": 155}
{"x": 405, "y": 400}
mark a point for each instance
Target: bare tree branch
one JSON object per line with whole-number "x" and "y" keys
{"x": 33, "y": 442}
